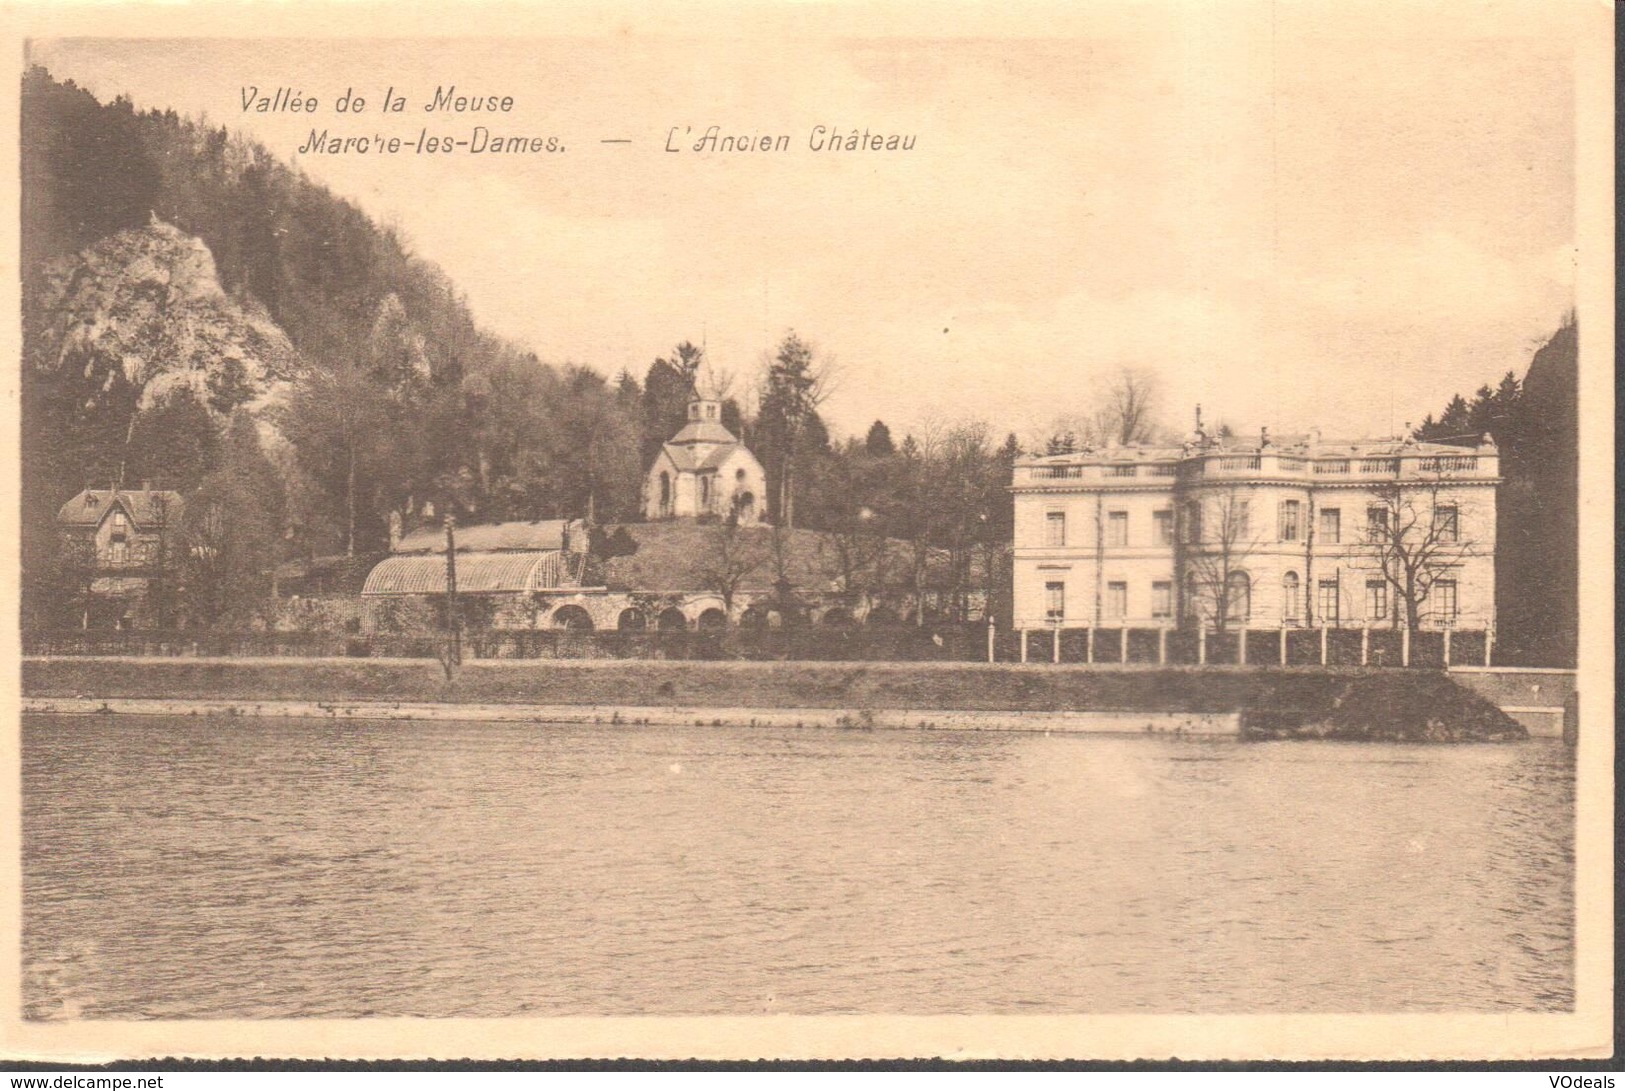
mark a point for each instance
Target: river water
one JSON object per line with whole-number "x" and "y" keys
{"x": 190, "y": 867}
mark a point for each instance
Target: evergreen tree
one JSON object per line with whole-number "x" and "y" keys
{"x": 231, "y": 531}
{"x": 878, "y": 443}
{"x": 173, "y": 442}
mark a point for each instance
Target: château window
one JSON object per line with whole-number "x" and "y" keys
{"x": 1193, "y": 521}
{"x": 1444, "y": 601}
{"x": 1289, "y": 520}
{"x": 1055, "y": 528}
{"x": 1376, "y": 523}
{"x": 1290, "y": 601}
{"x": 1327, "y": 604}
{"x": 1241, "y": 518}
{"x": 1238, "y": 597}
{"x": 1331, "y": 525}
{"x": 1162, "y": 599}
{"x": 1376, "y": 600}
{"x": 1055, "y": 600}
{"x": 1162, "y": 527}
{"x": 1446, "y": 523}
{"x": 1117, "y": 528}
{"x": 1117, "y": 600}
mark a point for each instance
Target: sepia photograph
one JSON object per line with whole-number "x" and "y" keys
{"x": 814, "y": 533}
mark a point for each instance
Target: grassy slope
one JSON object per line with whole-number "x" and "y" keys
{"x": 1417, "y": 705}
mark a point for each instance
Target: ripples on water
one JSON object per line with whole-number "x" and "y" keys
{"x": 233, "y": 869}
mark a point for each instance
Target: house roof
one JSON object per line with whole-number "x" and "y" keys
{"x": 491, "y": 537}
{"x": 676, "y": 555}
{"x": 146, "y": 507}
{"x": 692, "y": 459}
{"x": 477, "y": 573}
{"x": 703, "y": 431}
{"x": 1296, "y": 446}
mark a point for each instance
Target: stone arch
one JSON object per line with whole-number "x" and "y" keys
{"x": 837, "y": 617}
{"x": 572, "y": 617}
{"x": 754, "y": 617}
{"x": 671, "y": 619}
{"x": 632, "y": 620}
{"x": 712, "y": 618}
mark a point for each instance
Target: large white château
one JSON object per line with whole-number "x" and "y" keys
{"x": 1300, "y": 532}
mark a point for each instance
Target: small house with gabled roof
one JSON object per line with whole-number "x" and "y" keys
{"x": 120, "y": 541}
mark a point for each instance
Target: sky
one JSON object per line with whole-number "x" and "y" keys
{"x": 1292, "y": 224}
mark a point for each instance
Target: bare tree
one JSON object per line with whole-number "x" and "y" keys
{"x": 1128, "y": 409}
{"x": 1216, "y": 538}
{"x": 964, "y": 498}
{"x": 855, "y": 553}
{"x": 733, "y": 557}
{"x": 713, "y": 382}
{"x": 1125, "y": 412}
{"x": 1413, "y": 533}
{"x": 160, "y": 560}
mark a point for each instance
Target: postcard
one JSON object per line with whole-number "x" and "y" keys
{"x": 806, "y": 532}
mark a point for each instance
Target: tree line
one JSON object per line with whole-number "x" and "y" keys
{"x": 393, "y": 403}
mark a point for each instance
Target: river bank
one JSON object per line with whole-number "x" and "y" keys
{"x": 1255, "y": 702}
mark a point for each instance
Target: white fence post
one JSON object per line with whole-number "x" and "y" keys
{"x": 1241, "y": 646}
{"x": 1122, "y": 645}
{"x": 1283, "y": 643}
{"x": 1365, "y": 645}
{"x": 1162, "y": 646}
{"x": 1405, "y": 646}
{"x": 1447, "y": 647}
{"x": 1024, "y": 645}
{"x": 1201, "y": 645}
{"x": 1323, "y": 645}
{"x": 1089, "y": 647}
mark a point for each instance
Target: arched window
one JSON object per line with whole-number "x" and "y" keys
{"x": 1291, "y": 597}
{"x": 1238, "y": 599}
{"x": 665, "y": 493}
{"x": 745, "y": 507}
{"x": 705, "y": 492}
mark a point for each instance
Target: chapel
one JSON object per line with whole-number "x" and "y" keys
{"x": 705, "y": 470}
